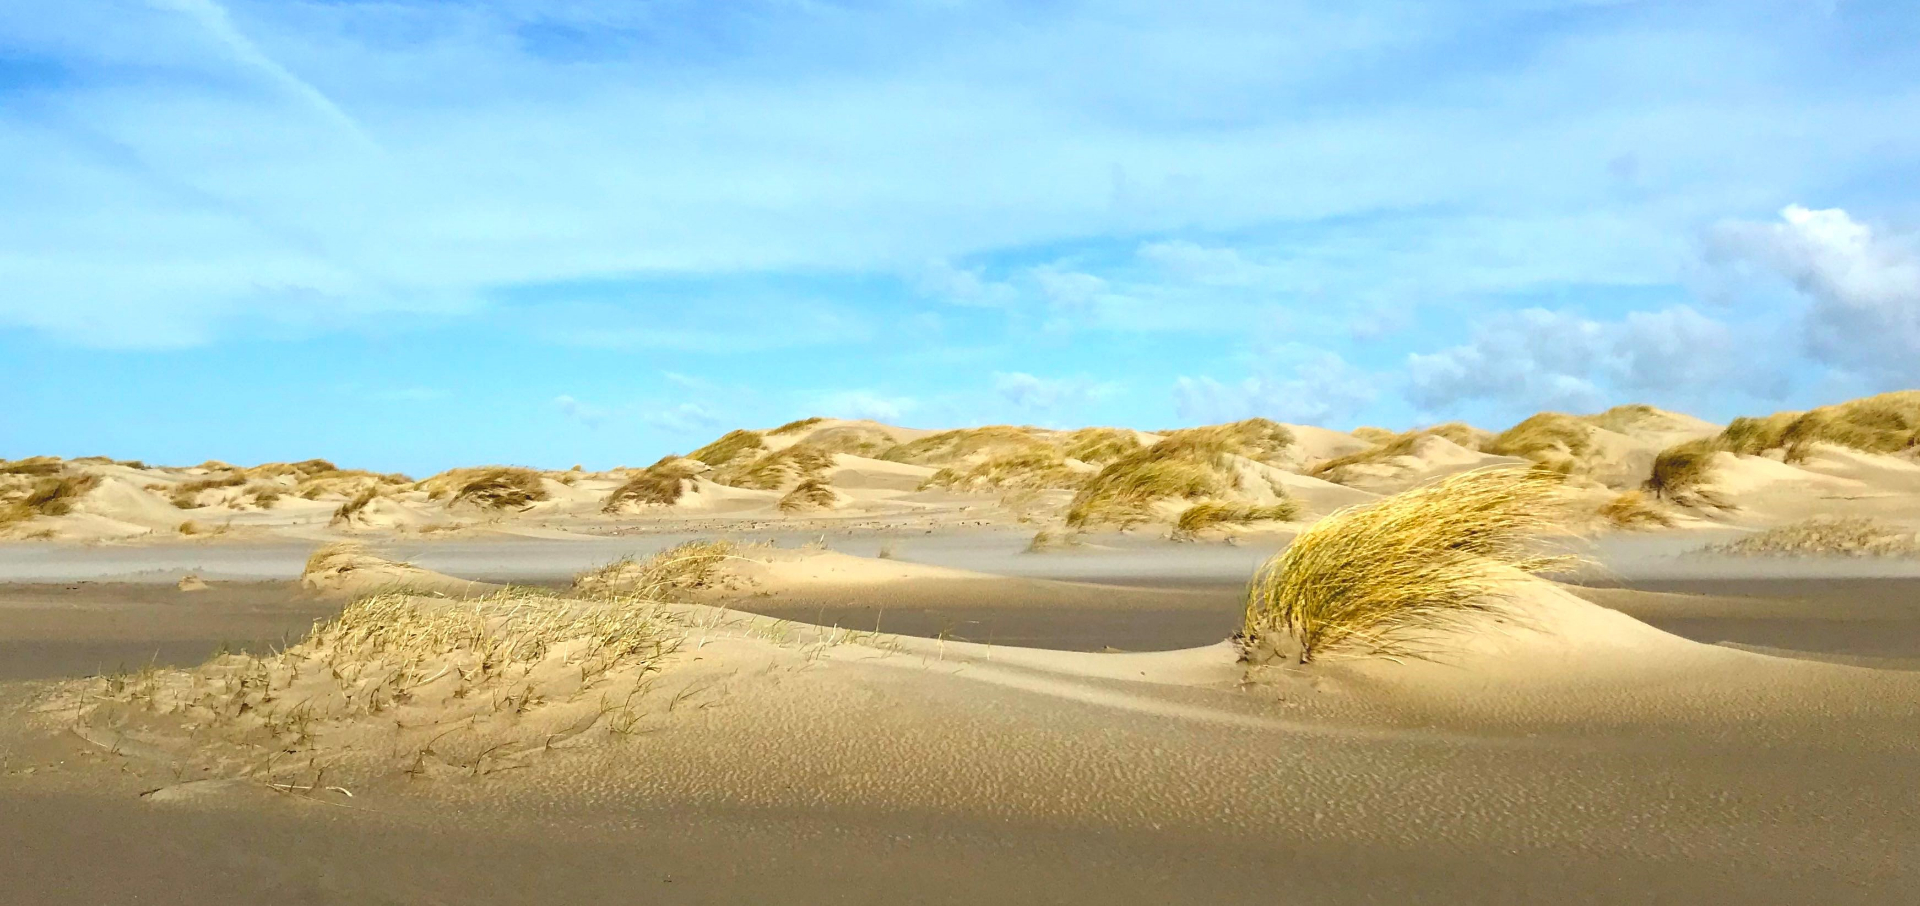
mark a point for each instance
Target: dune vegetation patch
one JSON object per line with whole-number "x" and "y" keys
{"x": 1042, "y": 468}
{"x": 1389, "y": 445}
{"x": 1099, "y": 446}
{"x": 186, "y": 494}
{"x": 352, "y": 507}
{"x": 689, "y": 566}
{"x": 966, "y": 444}
{"x": 729, "y": 447}
{"x": 1553, "y": 440}
{"x": 28, "y": 494}
{"x": 660, "y": 484}
{"x": 1212, "y": 515}
{"x": 34, "y": 466}
{"x": 798, "y": 424}
{"x": 1258, "y": 439}
{"x": 1182, "y": 467}
{"x": 1888, "y": 423}
{"x": 1682, "y": 472}
{"x": 1849, "y": 536}
{"x": 776, "y": 470}
{"x": 1386, "y": 577}
{"x": 808, "y": 496}
{"x": 1633, "y": 510}
{"x": 1047, "y": 540}
{"x": 488, "y": 487}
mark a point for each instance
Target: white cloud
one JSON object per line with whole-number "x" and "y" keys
{"x": 681, "y": 418}
{"x": 1031, "y": 393}
{"x": 1321, "y": 387}
{"x": 585, "y": 413}
{"x": 866, "y": 404}
{"x": 1540, "y": 359}
{"x": 1864, "y": 288}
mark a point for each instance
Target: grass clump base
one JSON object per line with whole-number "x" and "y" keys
{"x": 1826, "y": 536}
{"x": 684, "y": 567}
{"x": 660, "y": 484}
{"x": 1384, "y": 578}
{"x": 1201, "y": 517}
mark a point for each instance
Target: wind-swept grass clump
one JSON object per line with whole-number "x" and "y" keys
{"x": 774, "y": 471}
{"x": 1215, "y": 514}
{"x": 186, "y": 495}
{"x": 1391, "y": 445}
{"x": 346, "y": 511}
{"x": 1384, "y": 577}
{"x": 1186, "y": 467}
{"x": 1255, "y": 438}
{"x": 1888, "y": 423}
{"x": 812, "y": 494}
{"x": 1632, "y": 510}
{"x": 488, "y": 487}
{"x": 1754, "y": 436}
{"x": 660, "y": 484}
{"x": 1040, "y": 468}
{"x": 1554, "y": 440}
{"x": 1374, "y": 434}
{"x": 304, "y": 469}
{"x": 731, "y": 446}
{"x": 1681, "y": 471}
{"x": 1099, "y": 446}
{"x": 45, "y": 496}
{"x": 798, "y": 424}
{"x": 684, "y": 567}
{"x": 1844, "y": 536}
{"x": 33, "y": 465}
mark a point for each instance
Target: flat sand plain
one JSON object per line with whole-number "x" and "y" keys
{"x": 971, "y": 765}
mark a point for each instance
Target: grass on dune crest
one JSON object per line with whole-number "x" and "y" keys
{"x": 1189, "y": 467}
{"x": 1383, "y": 577}
{"x": 857, "y": 440}
{"x": 1388, "y": 445}
{"x": 1554, "y": 440}
{"x": 950, "y": 447}
{"x": 1099, "y": 446}
{"x": 346, "y": 511}
{"x": 490, "y": 487}
{"x": 811, "y": 494}
{"x": 1887, "y": 423}
{"x": 798, "y": 424}
{"x": 683, "y": 567}
{"x": 1215, "y": 514}
{"x": 774, "y": 471}
{"x": 1682, "y": 471}
{"x": 729, "y": 447}
{"x": 1257, "y": 439}
{"x": 660, "y": 484}
{"x": 1844, "y": 536}
{"x": 41, "y": 466}
{"x": 36, "y": 494}
{"x": 1032, "y": 469}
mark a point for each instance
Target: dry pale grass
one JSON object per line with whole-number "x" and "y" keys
{"x": 685, "y": 567}
{"x": 1201, "y": 517}
{"x": 1187, "y": 466}
{"x": 1374, "y": 434}
{"x": 855, "y": 440}
{"x": 1826, "y": 536}
{"x": 1049, "y": 540}
{"x": 488, "y": 487}
{"x": 1385, "y": 577}
{"x": 1391, "y": 445}
{"x": 729, "y": 447}
{"x": 1099, "y": 446}
{"x": 774, "y": 471}
{"x": 799, "y": 424}
{"x": 1258, "y": 439}
{"x": 1682, "y": 471}
{"x": 1041, "y": 468}
{"x": 967, "y": 444}
{"x": 186, "y": 495}
{"x": 1888, "y": 423}
{"x": 1633, "y": 510}
{"x": 1554, "y": 440}
{"x": 660, "y": 484}
{"x": 809, "y": 495}
{"x": 351, "y": 508}
{"x": 43, "y": 495}
{"x": 33, "y": 465}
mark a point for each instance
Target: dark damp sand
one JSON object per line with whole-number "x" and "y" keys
{"x": 82, "y": 628}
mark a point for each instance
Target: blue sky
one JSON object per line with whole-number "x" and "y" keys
{"x": 406, "y": 234}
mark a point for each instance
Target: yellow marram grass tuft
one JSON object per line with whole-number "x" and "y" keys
{"x": 1217, "y": 514}
{"x": 1632, "y": 510}
{"x": 490, "y": 487}
{"x": 1039, "y": 468}
{"x": 731, "y": 446}
{"x": 812, "y": 494}
{"x": 773, "y": 471}
{"x": 1384, "y": 577}
{"x": 683, "y": 567}
{"x": 1182, "y": 466}
{"x": 660, "y": 484}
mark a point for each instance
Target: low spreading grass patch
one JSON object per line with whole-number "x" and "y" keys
{"x": 1826, "y": 536}
{"x": 856, "y": 440}
{"x": 1384, "y": 577}
{"x": 799, "y": 424}
{"x": 1258, "y": 439}
{"x": 1200, "y": 517}
{"x": 488, "y": 487}
{"x": 1041, "y": 468}
{"x": 43, "y": 495}
{"x": 684, "y": 567}
{"x": 1099, "y": 446}
{"x": 40, "y": 466}
{"x": 966, "y": 444}
{"x": 1391, "y": 445}
{"x": 1554, "y": 440}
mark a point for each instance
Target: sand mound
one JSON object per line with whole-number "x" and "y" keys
{"x": 1408, "y": 461}
{"x": 346, "y": 568}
